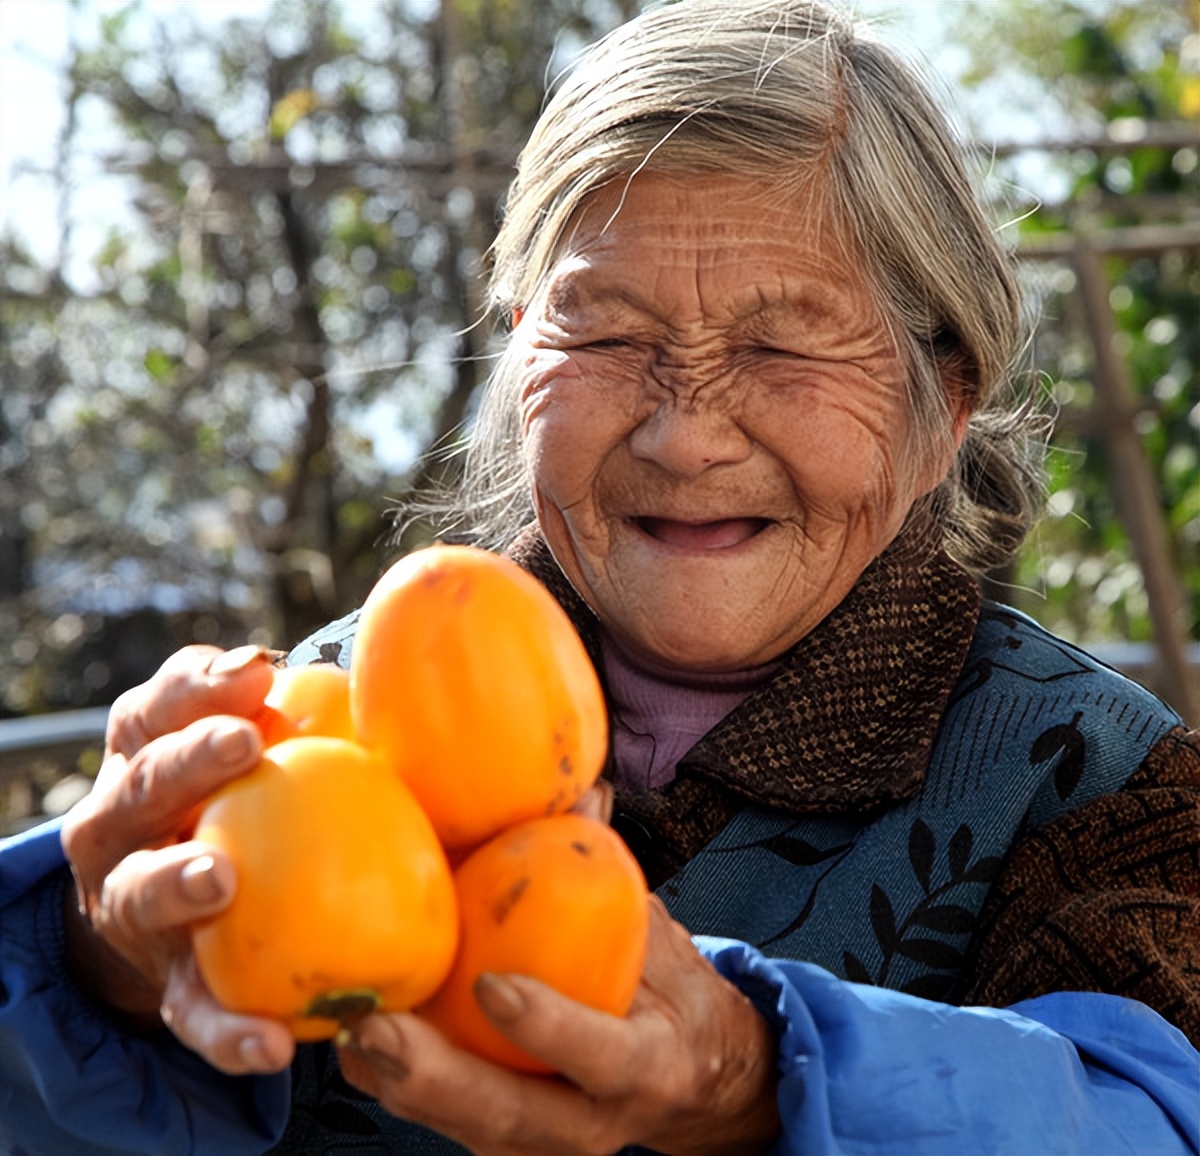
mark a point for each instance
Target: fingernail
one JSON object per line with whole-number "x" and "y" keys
{"x": 231, "y": 661}
{"x": 253, "y": 1053}
{"x": 499, "y": 996}
{"x": 232, "y": 743}
{"x": 200, "y": 881}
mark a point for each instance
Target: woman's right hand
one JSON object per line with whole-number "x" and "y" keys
{"x": 140, "y": 880}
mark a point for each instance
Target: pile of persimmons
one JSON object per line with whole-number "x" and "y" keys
{"x": 409, "y": 826}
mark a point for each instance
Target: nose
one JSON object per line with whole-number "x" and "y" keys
{"x": 686, "y": 437}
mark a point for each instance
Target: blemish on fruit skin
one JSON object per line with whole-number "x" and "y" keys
{"x": 582, "y": 848}
{"x": 439, "y": 576}
{"x": 565, "y": 767}
{"x": 561, "y": 801}
{"x": 504, "y": 904}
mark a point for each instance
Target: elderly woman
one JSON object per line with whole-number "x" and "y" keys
{"x": 931, "y": 874}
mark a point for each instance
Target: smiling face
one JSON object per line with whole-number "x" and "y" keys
{"x": 715, "y": 420}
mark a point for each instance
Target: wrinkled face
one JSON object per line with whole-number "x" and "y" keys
{"x": 715, "y": 420}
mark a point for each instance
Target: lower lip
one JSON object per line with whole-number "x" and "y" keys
{"x": 701, "y": 537}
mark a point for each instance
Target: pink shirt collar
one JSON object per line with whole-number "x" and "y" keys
{"x": 658, "y": 715}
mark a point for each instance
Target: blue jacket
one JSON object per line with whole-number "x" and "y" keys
{"x": 1029, "y": 730}
{"x": 863, "y": 1069}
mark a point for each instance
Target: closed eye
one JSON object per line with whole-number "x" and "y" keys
{"x": 774, "y": 351}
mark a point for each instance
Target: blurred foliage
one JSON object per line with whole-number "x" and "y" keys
{"x": 202, "y": 436}
{"x": 205, "y": 445}
{"x": 1114, "y": 70}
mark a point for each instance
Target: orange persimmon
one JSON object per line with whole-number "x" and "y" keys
{"x": 344, "y": 897}
{"x": 469, "y": 679}
{"x": 560, "y": 899}
{"x": 306, "y": 700}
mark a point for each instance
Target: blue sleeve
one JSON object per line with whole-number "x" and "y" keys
{"x": 70, "y": 1080}
{"x": 868, "y": 1070}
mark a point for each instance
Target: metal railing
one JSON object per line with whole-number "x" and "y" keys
{"x": 46, "y": 747}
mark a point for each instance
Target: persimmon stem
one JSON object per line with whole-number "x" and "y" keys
{"x": 347, "y": 1006}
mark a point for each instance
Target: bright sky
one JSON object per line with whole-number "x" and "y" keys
{"x": 35, "y": 36}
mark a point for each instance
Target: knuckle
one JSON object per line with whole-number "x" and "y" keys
{"x": 188, "y": 661}
{"x": 153, "y": 775}
{"x": 137, "y": 782}
{"x": 125, "y": 896}
{"x": 680, "y": 1091}
{"x": 125, "y": 732}
{"x": 74, "y": 829}
{"x": 85, "y": 834}
{"x": 510, "y": 1122}
{"x": 599, "y": 1137}
{"x": 178, "y": 676}
{"x": 614, "y": 1083}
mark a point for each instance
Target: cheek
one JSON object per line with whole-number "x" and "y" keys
{"x": 545, "y": 376}
{"x": 569, "y": 425}
{"x": 843, "y": 447}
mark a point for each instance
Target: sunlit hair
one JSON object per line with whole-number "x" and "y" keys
{"x": 802, "y": 99}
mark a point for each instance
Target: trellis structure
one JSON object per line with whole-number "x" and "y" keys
{"x": 1115, "y": 406}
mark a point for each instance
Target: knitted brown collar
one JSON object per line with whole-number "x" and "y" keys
{"x": 848, "y": 721}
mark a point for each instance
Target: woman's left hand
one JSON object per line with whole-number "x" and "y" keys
{"x": 690, "y": 1069}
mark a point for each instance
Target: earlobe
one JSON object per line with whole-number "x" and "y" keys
{"x": 516, "y": 316}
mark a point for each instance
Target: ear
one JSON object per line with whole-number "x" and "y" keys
{"x": 515, "y": 318}
{"x": 960, "y": 382}
{"x": 960, "y": 416}
{"x": 960, "y": 389}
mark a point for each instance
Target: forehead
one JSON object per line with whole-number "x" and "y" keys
{"x": 646, "y": 242}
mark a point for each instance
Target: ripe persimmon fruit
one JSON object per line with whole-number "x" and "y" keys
{"x": 468, "y": 678}
{"x": 561, "y": 899}
{"x": 344, "y": 898}
{"x": 306, "y": 700}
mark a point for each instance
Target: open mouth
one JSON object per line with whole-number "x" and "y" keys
{"x": 721, "y": 534}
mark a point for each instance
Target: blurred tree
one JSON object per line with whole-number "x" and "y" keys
{"x": 1125, "y": 76}
{"x": 215, "y": 430}
{"x": 212, "y": 435}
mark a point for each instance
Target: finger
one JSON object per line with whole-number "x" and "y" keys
{"x": 151, "y": 892}
{"x": 605, "y": 1055}
{"x": 608, "y": 1056}
{"x": 236, "y": 1044}
{"x": 192, "y": 683}
{"x": 416, "y": 1073}
{"x": 670, "y": 951}
{"x": 151, "y": 797}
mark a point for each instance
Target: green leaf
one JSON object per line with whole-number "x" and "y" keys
{"x": 159, "y": 364}
{"x": 401, "y": 281}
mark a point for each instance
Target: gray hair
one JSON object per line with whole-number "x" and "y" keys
{"x": 794, "y": 94}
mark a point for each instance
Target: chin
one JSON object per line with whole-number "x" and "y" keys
{"x": 684, "y": 651}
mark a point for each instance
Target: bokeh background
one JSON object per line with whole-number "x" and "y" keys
{"x": 241, "y": 318}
